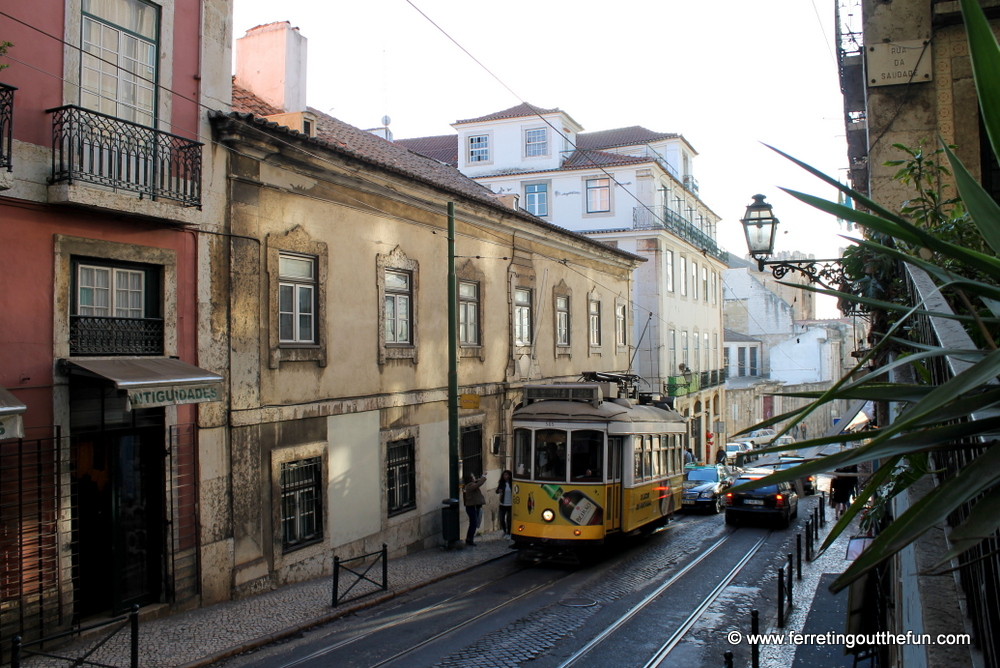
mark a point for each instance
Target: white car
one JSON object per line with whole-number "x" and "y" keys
{"x": 758, "y": 438}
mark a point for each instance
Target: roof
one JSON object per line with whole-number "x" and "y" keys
{"x": 733, "y": 335}
{"x": 630, "y": 136}
{"x": 523, "y": 109}
{"x": 439, "y": 147}
{"x": 340, "y": 137}
{"x": 585, "y": 159}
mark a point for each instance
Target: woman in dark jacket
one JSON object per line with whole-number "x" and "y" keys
{"x": 474, "y": 500}
{"x": 506, "y": 491}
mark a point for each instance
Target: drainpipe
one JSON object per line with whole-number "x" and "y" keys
{"x": 450, "y": 511}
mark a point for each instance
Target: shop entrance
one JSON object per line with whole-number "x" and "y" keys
{"x": 118, "y": 494}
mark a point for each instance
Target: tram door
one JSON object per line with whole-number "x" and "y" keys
{"x": 614, "y": 491}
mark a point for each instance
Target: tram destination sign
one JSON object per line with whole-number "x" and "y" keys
{"x": 169, "y": 395}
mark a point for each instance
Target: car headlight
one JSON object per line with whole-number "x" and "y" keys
{"x": 707, "y": 495}
{"x": 548, "y": 515}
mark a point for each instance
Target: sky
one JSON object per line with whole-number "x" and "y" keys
{"x": 728, "y": 75}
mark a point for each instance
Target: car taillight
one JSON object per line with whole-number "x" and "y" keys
{"x": 779, "y": 501}
{"x": 729, "y": 498}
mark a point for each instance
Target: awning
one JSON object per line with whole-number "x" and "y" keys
{"x": 156, "y": 381}
{"x": 11, "y": 408}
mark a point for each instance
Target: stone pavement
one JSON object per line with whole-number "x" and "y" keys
{"x": 206, "y": 635}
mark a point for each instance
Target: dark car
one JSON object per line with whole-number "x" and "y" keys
{"x": 778, "y": 503}
{"x": 808, "y": 482}
{"x": 705, "y": 487}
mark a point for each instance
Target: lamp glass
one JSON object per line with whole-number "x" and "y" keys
{"x": 760, "y": 227}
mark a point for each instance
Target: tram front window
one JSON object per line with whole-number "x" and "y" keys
{"x": 522, "y": 453}
{"x": 587, "y": 460}
{"x": 550, "y": 454}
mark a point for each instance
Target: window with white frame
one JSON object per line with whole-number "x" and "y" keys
{"x": 697, "y": 351}
{"x": 685, "y": 350}
{"x": 694, "y": 280}
{"x": 118, "y": 73}
{"x": 594, "y": 313}
{"x": 468, "y": 313}
{"x": 668, "y": 269}
{"x": 536, "y": 198}
{"x": 398, "y": 302}
{"x": 522, "y": 316}
{"x": 479, "y": 148}
{"x": 704, "y": 283}
{"x": 111, "y": 292}
{"x": 562, "y": 320}
{"x": 535, "y": 142}
{"x": 707, "y": 364}
{"x": 598, "y": 195}
{"x": 683, "y": 277}
{"x": 672, "y": 359}
{"x": 620, "y": 325}
{"x": 296, "y": 299}
{"x": 715, "y": 283}
{"x": 401, "y": 476}
{"x": 301, "y": 502}
{"x": 715, "y": 350}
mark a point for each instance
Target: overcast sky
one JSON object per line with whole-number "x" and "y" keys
{"x": 729, "y": 75}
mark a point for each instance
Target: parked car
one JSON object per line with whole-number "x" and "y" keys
{"x": 778, "y": 503}
{"x": 733, "y": 450}
{"x": 785, "y": 440}
{"x": 758, "y": 438}
{"x": 808, "y": 482}
{"x": 705, "y": 487}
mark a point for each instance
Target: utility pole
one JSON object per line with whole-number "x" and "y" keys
{"x": 450, "y": 511}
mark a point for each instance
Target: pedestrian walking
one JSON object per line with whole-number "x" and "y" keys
{"x": 688, "y": 456}
{"x": 505, "y": 490}
{"x": 720, "y": 456}
{"x": 841, "y": 490}
{"x": 474, "y": 501}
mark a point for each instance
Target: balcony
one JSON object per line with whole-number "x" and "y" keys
{"x": 6, "y": 127}
{"x": 691, "y": 184}
{"x": 93, "y": 335}
{"x": 662, "y": 218}
{"x": 102, "y": 150}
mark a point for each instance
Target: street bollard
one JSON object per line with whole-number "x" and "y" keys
{"x": 798, "y": 554}
{"x": 822, "y": 507}
{"x": 728, "y": 658}
{"x": 781, "y": 598}
{"x": 754, "y": 647}
{"x": 385, "y": 567}
{"x": 336, "y": 580}
{"x": 15, "y": 653}
{"x": 809, "y": 540}
{"x": 134, "y": 644}
{"x": 789, "y": 585}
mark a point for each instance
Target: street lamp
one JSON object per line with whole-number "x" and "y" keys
{"x": 761, "y": 227}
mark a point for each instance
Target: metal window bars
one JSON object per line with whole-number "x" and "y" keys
{"x": 106, "y": 151}
{"x": 7, "y": 126}
{"x": 100, "y": 335}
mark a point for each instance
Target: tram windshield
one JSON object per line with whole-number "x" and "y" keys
{"x": 558, "y": 455}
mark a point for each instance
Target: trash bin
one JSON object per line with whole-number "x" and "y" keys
{"x": 449, "y": 520}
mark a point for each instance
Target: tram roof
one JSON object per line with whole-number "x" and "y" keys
{"x": 607, "y": 411}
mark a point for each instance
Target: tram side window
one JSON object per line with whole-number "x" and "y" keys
{"x": 637, "y": 447}
{"x": 550, "y": 454}
{"x": 614, "y": 458}
{"x": 522, "y": 453}
{"x": 647, "y": 453}
{"x": 587, "y": 456}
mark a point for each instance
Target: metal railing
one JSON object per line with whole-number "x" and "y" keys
{"x": 691, "y": 183}
{"x": 20, "y": 649}
{"x": 106, "y": 151}
{"x": 338, "y": 564}
{"x": 7, "y": 127}
{"x": 98, "y": 335}
{"x": 663, "y": 218}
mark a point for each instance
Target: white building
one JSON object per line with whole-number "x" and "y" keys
{"x": 634, "y": 189}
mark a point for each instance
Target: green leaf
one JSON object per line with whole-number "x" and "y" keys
{"x": 985, "y": 211}
{"x": 985, "y": 56}
{"x": 982, "y": 522}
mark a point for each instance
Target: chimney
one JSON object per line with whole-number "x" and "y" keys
{"x": 271, "y": 64}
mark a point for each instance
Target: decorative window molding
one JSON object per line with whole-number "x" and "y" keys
{"x": 317, "y": 546}
{"x": 621, "y": 325}
{"x": 479, "y": 149}
{"x": 394, "y": 263}
{"x": 536, "y": 197}
{"x": 562, "y": 305}
{"x": 536, "y": 142}
{"x": 296, "y": 242}
{"x": 597, "y": 195}
{"x": 595, "y": 323}
{"x": 468, "y": 272}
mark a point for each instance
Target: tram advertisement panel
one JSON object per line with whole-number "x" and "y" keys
{"x": 648, "y": 502}
{"x": 558, "y": 510}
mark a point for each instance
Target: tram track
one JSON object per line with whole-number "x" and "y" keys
{"x": 688, "y": 623}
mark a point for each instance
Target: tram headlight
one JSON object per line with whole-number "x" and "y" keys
{"x": 548, "y": 515}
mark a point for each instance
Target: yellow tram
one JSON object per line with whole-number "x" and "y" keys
{"x": 588, "y": 465}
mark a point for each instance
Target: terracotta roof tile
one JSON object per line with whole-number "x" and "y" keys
{"x": 585, "y": 159}
{"x": 439, "y": 147}
{"x": 523, "y": 109}
{"x": 630, "y": 136}
{"x": 247, "y": 102}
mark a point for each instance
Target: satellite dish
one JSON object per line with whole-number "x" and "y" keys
{"x": 386, "y": 120}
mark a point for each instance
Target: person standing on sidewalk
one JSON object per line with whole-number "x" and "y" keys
{"x": 474, "y": 501}
{"x": 506, "y": 492}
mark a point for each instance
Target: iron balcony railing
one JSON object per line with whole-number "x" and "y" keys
{"x": 7, "y": 127}
{"x": 96, "y": 335}
{"x": 691, "y": 183}
{"x": 662, "y": 218}
{"x": 106, "y": 151}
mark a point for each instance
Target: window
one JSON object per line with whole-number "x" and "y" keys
{"x": 400, "y": 476}
{"x": 296, "y": 299}
{"x": 685, "y": 352}
{"x": 479, "y": 148}
{"x": 301, "y": 502}
{"x": 398, "y": 298}
{"x": 697, "y": 352}
{"x": 522, "y": 453}
{"x": 668, "y": 270}
{"x": 562, "y": 320}
{"x": 550, "y": 454}
{"x": 536, "y": 198}
{"x": 715, "y": 288}
{"x": 684, "y": 277}
{"x": 707, "y": 365}
{"x": 594, "y": 313}
{"x": 672, "y": 360}
{"x": 694, "y": 280}
{"x": 704, "y": 283}
{"x": 122, "y": 33}
{"x": 753, "y": 362}
{"x": 620, "y": 324}
{"x": 598, "y": 195}
{"x": 535, "y": 143}
{"x": 587, "y": 455}
{"x": 715, "y": 351}
{"x": 522, "y": 316}
{"x": 741, "y": 360}
{"x": 110, "y": 292}
{"x": 468, "y": 313}
{"x": 471, "y": 441}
